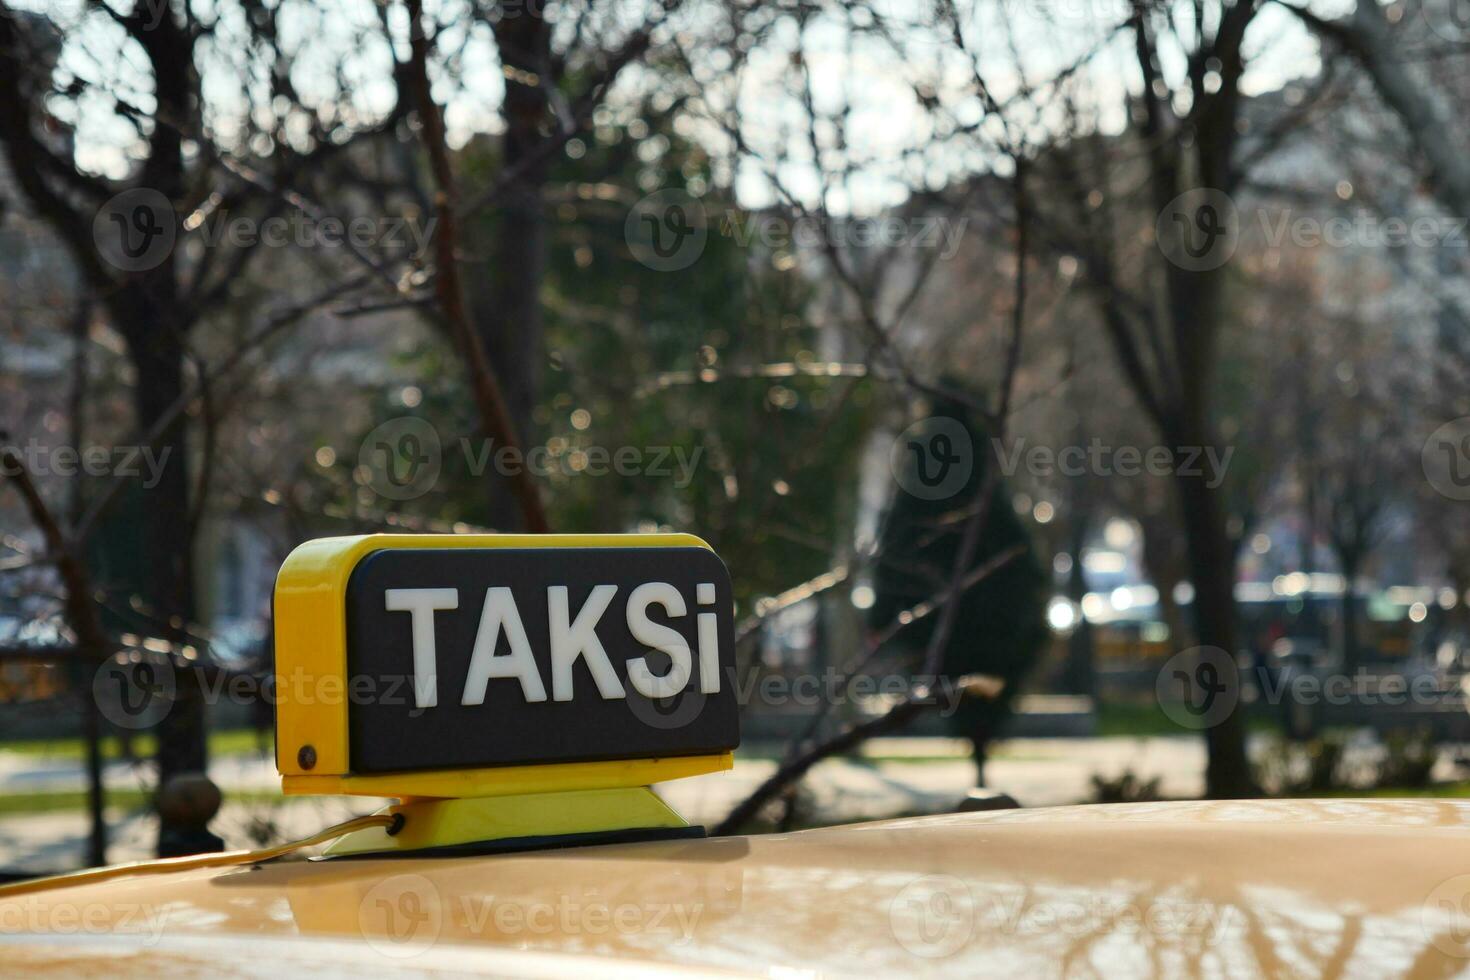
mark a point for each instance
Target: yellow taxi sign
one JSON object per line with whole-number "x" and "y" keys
{"x": 491, "y": 665}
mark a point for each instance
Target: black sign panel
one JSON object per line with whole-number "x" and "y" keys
{"x": 471, "y": 657}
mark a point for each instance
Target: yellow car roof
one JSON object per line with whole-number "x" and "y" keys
{"x": 1371, "y": 888}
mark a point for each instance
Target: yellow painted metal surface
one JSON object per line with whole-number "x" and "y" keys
{"x": 447, "y": 823}
{"x": 312, "y": 685}
{"x": 511, "y": 780}
{"x": 1301, "y": 888}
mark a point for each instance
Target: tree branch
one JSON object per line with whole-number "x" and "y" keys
{"x": 495, "y": 417}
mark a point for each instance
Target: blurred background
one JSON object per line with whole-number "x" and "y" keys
{"x": 1075, "y": 389}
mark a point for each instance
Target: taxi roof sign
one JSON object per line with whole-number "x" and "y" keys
{"x": 490, "y": 665}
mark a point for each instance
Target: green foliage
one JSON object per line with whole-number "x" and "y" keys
{"x": 1304, "y": 768}
{"x": 1000, "y": 626}
{"x": 1408, "y": 759}
{"x": 712, "y": 366}
{"x": 1324, "y": 765}
{"x": 1127, "y": 787}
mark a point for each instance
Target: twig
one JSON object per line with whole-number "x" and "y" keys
{"x": 166, "y": 420}
{"x": 971, "y": 685}
{"x": 495, "y": 415}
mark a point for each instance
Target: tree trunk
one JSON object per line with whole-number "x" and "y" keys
{"x": 1350, "y": 653}
{"x": 980, "y": 739}
{"x": 1080, "y": 676}
{"x": 506, "y": 300}
{"x": 1212, "y": 569}
{"x": 170, "y": 586}
{"x": 142, "y": 313}
{"x": 96, "y": 817}
{"x": 82, "y": 675}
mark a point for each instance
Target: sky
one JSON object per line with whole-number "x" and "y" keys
{"x": 861, "y": 79}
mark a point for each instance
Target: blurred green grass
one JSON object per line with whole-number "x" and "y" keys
{"x": 229, "y": 742}
{"x": 75, "y": 801}
{"x": 221, "y": 743}
{"x": 1119, "y": 720}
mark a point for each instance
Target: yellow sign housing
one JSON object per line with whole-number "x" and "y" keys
{"x": 313, "y": 689}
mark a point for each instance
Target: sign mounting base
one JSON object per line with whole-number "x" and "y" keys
{"x": 465, "y": 823}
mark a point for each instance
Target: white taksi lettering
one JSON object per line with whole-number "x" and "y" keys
{"x": 499, "y": 614}
{"x": 580, "y": 640}
{"x": 657, "y": 637}
{"x": 571, "y": 638}
{"x": 422, "y": 604}
{"x": 709, "y": 640}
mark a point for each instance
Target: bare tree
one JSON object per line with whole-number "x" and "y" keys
{"x": 1398, "y": 57}
{"x": 1164, "y": 318}
{"x": 183, "y": 163}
